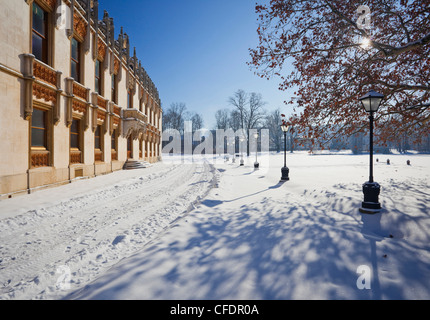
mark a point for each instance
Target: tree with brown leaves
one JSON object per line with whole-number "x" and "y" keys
{"x": 331, "y": 52}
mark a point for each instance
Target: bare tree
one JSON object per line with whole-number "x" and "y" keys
{"x": 222, "y": 119}
{"x": 254, "y": 113}
{"x": 174, "y": 117}
{"x": 250, "y": 110}
{"x": 235, "y": 121}
{"x": 272, "y": 122}
{"x": 197, "y": 121}
{"x": 240, "y": 100}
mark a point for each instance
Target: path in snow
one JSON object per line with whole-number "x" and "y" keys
{"x": 93, "y": 224}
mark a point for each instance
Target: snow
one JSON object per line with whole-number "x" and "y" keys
{"x": 214, "y": 230}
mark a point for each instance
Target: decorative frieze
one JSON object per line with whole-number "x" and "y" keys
{"x": 101, "y": 102}
{"x": 39, "y": 159}
{"x": 76, "y": 101}
{"x": 75, "y": 157}
{"x": 79, "y": 106}
{"x": 79, "y": 26}
{"x": 44, "y": 73}
{"x": 101, "y": 50}
{"x": 80, "y": 91}
{"x": 98, "y": 156}
{"x": 41, "y": 92}
{"x": 116, "y": 110}
{"x": 116, "y": 65}
{"x": 101, "y": 115}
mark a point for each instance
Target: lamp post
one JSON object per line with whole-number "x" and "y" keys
{"x": 371, "y": 189}
{"x": 256, "y": 164}
{"x": 285, "y": 171}
{"x": 233, "y": 160}
{"x": 241, "y": 151}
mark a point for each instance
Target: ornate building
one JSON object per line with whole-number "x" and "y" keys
{"x": 74, "y": 102}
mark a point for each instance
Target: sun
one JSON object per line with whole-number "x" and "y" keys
{"x": 366, "y": 43}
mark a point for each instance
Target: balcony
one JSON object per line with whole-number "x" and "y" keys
{"x": 77, "y": 97}
{"x": 134, "y": 114}
{"x": 135, "y": 123}
{"x": 42, "y": 83}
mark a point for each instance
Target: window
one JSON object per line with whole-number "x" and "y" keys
{"x": 39, "y": 126}
{"x": 129, "y": 99}
{"x": 39, "y": 129}
{"x": 113, "y": 140}
{"x": 98, "y": 144}
{"x": 75, "y": 142}
{"x": 114, "y": 89}
{"x": 40, "y": 34}
{"x": 76, "y": 60}
{"x": 114, "y": 145}
{"x": 141, "y": 105}
{"x": 75, "y": 134}
{"x": 99, "y": 78}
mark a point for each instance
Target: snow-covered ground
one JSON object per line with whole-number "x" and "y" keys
{"x": 215, "y": 230}
{"x": 77, "y": 231}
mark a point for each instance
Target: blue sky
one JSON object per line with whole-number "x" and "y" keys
{"x": 195, "y": 51}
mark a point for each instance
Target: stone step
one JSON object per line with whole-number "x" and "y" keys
{"x": 134, "y": 164}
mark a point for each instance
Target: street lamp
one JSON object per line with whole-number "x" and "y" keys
{"x": 285, "y": 171}
{"x": 242, "y": 139}
{"x": 233, "y": 160}
{"x": 256, "y": 164}
{"x": 371, "y": 189}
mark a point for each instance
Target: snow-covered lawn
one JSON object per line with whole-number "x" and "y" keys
{"x": 133, "y": 235}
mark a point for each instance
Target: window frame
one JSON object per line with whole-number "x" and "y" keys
{"x": 77, "y": 61}
{"x": 129, "y": 99}
{"x": 114, "y": 145}
{"x": 99, "y": 149}
{"x": 114, "y": 140}
{"x": 114, "y": 88}
{"x": 46, "y": 43}
{"x": 37, "y": 152}
{"x": 98, "y": 78}
{"x": 98, "y": 130}
{"x": 78, "y": 134}
{"x": 45, "y": 129}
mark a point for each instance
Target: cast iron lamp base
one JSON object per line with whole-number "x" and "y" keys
{"x": 371, "y": 203}
{"x": 285, "y": 171}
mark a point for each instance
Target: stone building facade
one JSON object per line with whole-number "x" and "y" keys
{"x": 74, "y": 101}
